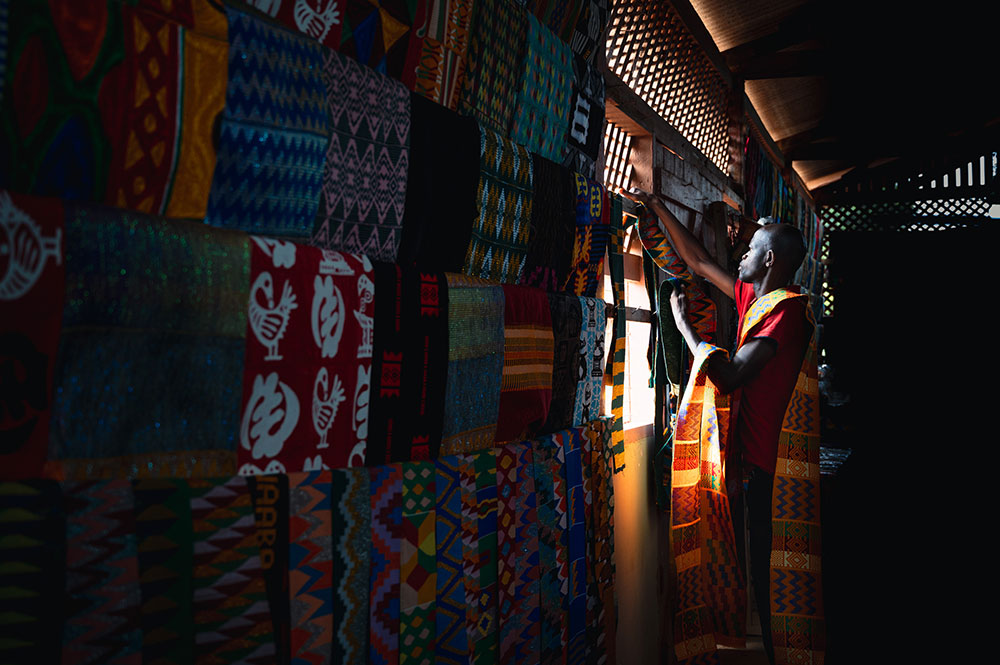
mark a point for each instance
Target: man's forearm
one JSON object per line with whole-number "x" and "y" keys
{"x": 691, "y": 251}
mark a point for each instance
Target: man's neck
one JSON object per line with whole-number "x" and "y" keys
{"x": 769, "y": 282}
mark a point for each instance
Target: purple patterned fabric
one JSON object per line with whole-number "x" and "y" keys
{"x": 364, "y": 179}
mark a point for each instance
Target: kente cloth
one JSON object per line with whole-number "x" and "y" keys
{"x": 711, "y": 592}
{"x": 495, "y": 63}
{"x": 385, "y": 35}
{"x": 559, "y": 15}
{"x": 798, "y": 627}
{"x": 517, "y": 556}
{"x": 149, "y": 304}
{"x": 542, "y": 113}
{"x": 526, "y": 386}
{"x": 550, "y": 499}
{"x": 32, "y": 288}
{"x": 479, "y": 553}
{"x": 165, "y": 557}
{"x": 670, "y": 336}
{"x": 323, "y": 20}
{"x": 310, "y": 565}
{"x": 443, "y": 51}
{"x": 309, "y": 343}
{"x": 386, "y": 484}
{"x": 102, "y": 602}
{"x": 33, "y": 577}
{"x": 475, "y": 364}
{"x": 616, "y": 266}
{"x": 136, "y": 76}
{"x": 230, "y": 611}
{"x": 701, "y": 308}
{"x": 571, "y": 457}
{"x": 593, "y": 216}
{"x": 351, "y": 526}
{"x": 553, "y": 224}
{"x": 590, "y": 362}
{"x": 441, "y": 202}
{"x": 586, "y": 119}
{"x": 177, "y": 464}
{"x": 418, "y": 565}
{"x": 498, "y": 246}
{"x": 269, "y": 493}
{"x": 411, "y": 364}
{"x": 566, "y": 314}
{"x": 364, "y": 175}
{"x": 588, "y": 36}
{"x": 602, "y": 531}
{"x": 273, "y": 133}
{"x": 451, "y": 642}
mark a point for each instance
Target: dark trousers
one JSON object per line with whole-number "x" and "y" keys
{"x": 758, "y": 510}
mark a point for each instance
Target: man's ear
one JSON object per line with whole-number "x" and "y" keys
{"x": 769, "y": 258}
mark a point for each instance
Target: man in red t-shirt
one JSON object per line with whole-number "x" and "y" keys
{"x": 762, "y": 372}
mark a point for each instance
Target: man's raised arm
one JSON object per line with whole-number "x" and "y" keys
{"x": 691, "y": 251}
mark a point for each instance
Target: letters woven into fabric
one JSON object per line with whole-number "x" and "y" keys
{"x": 593, "y": 216}
{"x": 590, "y": 363}
{"x": 586, "y": 119}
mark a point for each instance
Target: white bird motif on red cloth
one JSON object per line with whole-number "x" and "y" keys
{"x": 326, "y": 401}
{"x": 270, "y": 322}
{"x": 23, "y": 250}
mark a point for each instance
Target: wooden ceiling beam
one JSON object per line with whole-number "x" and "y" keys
{"x": 784, "y": 65}
{"x": 800, "y": 26}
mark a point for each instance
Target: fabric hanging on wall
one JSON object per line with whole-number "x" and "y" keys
{"x": 586, "y": 119}
{"x": 570, "y": 455}
{"x": 135, "y": 75}
{"x": 590, "y": 362}
{"x": 320, "y": 20}
{"x": 441, "y": 69}
{"x": 273, "y": 134}
{"x": 593, "y": 596}
{"x": 231, "y": 616}
{"x": 553, "y": 224}
{"x": 495, "y": 63}
{"x": 566, "y": 313}
{"x": 542, "y": 111}
{"x": 475, "y": 364}
{"x": 499, "y": 243}
{"x": 102, "y": 574}
{"x": 441, "y": 201}
{"x": 451, "y": 642}
{"x": 33, "y": 530}
{"x": 386, "y": 484}
{"x": 616, "y": 362}
{"x": 32, "y": 288}
{"x": 587, "y": 36}
{"x": 385, "y": 35}
{"x": 553, "y": 540}
{"x": 269, "y": 494}
{"x": 593, "y": 216}
{"x": 418, "y": 566}
{"x": 479, "y": 551}
{"x": 517, "y": 559}
{"x": 602, "y": 530}
{"x": 309, "y": 343}
{"x": 559, "y": 15}
{"x": 149, "y": 304}
{"x": 310, "y": 565}
{"x": 526, "y": 386}
{"x": 364, "y": 175}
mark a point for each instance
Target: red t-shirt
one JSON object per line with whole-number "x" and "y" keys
{"x": 764, "y": 398}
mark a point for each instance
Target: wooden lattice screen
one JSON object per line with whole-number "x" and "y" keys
{"x": 652, "y": 51}
{"x": 617, "y": 149}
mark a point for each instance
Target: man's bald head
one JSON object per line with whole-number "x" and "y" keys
{"x": 788, "y": 246}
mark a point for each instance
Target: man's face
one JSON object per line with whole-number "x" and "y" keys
{"x": 752, "y": 264}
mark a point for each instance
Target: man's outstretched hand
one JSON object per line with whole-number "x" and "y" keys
{"x": 679, "y": 306}
{"x": 637, "y": 195}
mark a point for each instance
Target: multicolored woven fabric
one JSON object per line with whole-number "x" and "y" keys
{"x": 567, "y": 318}
{"x": 475, "y": 364}
{"x": 451, "y": 642}
{"x": 310, "y": 565}
{"x": 526, "y": 387}
{"x": 386, "y": 531}
{"x": 553, "y": 224}
{"x": 602, "y": 533}
{"x": 586, "y": 40}
{"x": 517, "y": 556}
{"x": 480, "y": 553}
{"x": 616, "y": 266}
{"x": 364, "y": 176}
{"x": 542, "y": 113}
{"x": 139, "y": 332}
{"x": 323, "y": 21}
{"x": 571, "y": 456}
{"x": 495, "y": 63}
{"x": 559, "y": 15}
{"x": 586, "y": 119}
{"x": 418, "y": 565}
{"x": 798, "y": 626}
{"x": 590, "y": 363}
{"x": 273, "y": 134}
{"x": 32, "y": 289}
{"x": 350, "y": 505}
{"x": 553, "y": 540}
{"x": 386, "y": 35}
{"x": 33, "y": 577}
{"x": 441, "y": 69}
{"x": 137, "y": 76}
{"x": 711, "y": 592}
{"x": 269, "y": 493}
{"x": 165, "y": 556}
{"x": 231, "y": 615}
{"x": 102, "y": 574}
{"x": 499, "y": 243}
{"x": 309, "y": 330}
{"x": 593, "y": 216}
